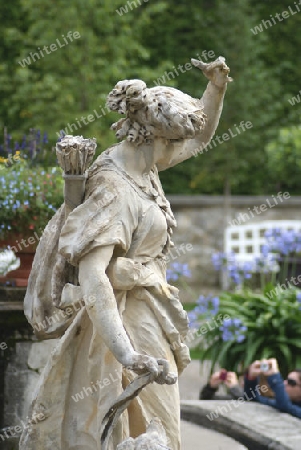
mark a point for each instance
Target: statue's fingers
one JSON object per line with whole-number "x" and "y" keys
{"x": 171, "y": 378}
{"x": 199, "y": 64}
{"x": 153, "y": 368}
{"x": 165, "y": 366}
{"x": 225, "y": 67}
{"x": 218, "y": 62}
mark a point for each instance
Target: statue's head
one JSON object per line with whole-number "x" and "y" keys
{"x": 160, "y": 111}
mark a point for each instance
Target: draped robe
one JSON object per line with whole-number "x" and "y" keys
{"x": 82, "y": 377}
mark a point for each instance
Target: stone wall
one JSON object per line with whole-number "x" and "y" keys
{"x": 201, "y": 223}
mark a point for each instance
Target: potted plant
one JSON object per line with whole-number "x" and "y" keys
{"x": 29, "y": 196}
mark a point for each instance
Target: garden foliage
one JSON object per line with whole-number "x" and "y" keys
{"x": 260, "y": 323}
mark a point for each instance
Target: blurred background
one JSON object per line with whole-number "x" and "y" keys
{"x": 148, "y": 40}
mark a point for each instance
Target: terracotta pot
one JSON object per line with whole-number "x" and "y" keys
{"x": 24, "y": 249}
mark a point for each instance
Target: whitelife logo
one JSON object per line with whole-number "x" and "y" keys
{"x": 53, "y": 48}
{"x": 280, "y": 17}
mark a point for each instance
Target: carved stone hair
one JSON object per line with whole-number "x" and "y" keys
{"x": 156, "y": 112}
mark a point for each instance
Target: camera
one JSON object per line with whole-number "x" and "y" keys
{"x": 264, "y": 367}
{"x": 223, "y": 375}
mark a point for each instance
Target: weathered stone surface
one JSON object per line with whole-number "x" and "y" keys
{"x": 258, "y": 427}
{"x": 18, "y": 380}
{"x": 195, "y": 437}
{"x": 116, "y": 234}
{"x": 39, "y": 354}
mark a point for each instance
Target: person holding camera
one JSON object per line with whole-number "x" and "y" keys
{"x": 287, "y": 393}
{"x": 229, "y": 379}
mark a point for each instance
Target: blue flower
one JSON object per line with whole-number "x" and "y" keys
{"x": 240, "y": 338}
{"x": 177, "y": 270}
{"x": 201, "y": 309}
{"x": 207, "y": 306}
{"x": 185, "y": 271}
{"x": 193, "y": 319}
{"x": 216, "y": 259}
{"x": 23, "y": 144}
{"x": 265, "y": 250}
{"x": 236, "y": 272}
{"x": 235, "y": 276}
{"x": 233, "y": 330}
{"x": 171, "y": 275}
{"x": 215, "y": 305}
{"x": 268, "y": 234}
{"x": 284, "y": 242}
{"x": 298, "y": 298}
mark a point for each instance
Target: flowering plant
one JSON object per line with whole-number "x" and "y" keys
{"x": 283, "y": 242}
{"x": 286, "y": 245}
{"x": 177, "y": 271}
{"x": 33, "y": 147}
{"x": 10, "y": 160}
{"x": 29, "y": 196}
{"x": 257, "y": 324}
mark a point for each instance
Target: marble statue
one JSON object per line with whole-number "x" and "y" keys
{"x": 98, "y": 281}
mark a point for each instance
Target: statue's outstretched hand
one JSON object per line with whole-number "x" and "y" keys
{"x": 216, "y": 71}
{"x": 158, "y": 367}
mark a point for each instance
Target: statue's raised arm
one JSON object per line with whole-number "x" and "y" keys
{"x": 212, "y": 102}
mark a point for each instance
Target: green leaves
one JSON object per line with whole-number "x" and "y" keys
{"x": 273, "y": 329}
{"x": 284, "y": 159}
{"x": 28, "y": 197}
{"x": 73, "y": 81}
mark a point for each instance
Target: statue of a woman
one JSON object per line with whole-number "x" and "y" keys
{"x": 118, "y": 239}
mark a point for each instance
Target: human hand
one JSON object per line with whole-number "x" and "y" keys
{"x": 215, "y": 380}
{"x": 231, "y": 380}
{"x": 254, "y": 369}
{"x": 216, "y": 71}
{"x": 273, "y": 366}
